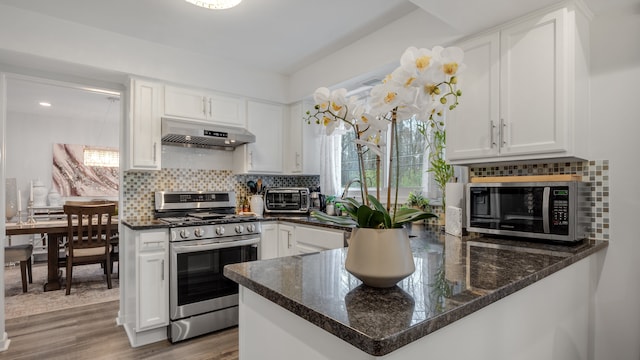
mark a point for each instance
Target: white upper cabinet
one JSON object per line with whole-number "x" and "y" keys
{"x": 472, "y": 126}
{"x": 266, "y": 122}
{"x": 524, "y": 94}
{"x": 195, "y": 104}
{"x": 144, "y": 132}
{"x": 302, "y": 148}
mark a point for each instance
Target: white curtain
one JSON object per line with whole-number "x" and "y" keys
{"x": 330, "y": 164}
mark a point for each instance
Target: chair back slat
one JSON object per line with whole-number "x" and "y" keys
{"x": 88, "y": 224}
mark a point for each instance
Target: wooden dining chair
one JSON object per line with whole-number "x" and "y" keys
{"x": 21, "y": 253}
{"x": 88, "y": 237}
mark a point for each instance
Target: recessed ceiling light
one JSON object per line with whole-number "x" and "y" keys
{"x": 45, "y": 104}
{"x": 215, "y": 4}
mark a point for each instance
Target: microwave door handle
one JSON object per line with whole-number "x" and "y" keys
{"x": 546, "y": 195}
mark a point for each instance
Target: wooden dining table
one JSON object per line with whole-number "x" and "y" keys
{"x": 56, "y": 230}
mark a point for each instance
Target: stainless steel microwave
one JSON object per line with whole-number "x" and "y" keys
{"x": 286, "y": 200}
{"x": 543, "y": 210}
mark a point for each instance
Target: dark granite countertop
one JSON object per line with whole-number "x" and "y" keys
{"x": 454, "y": 277}
{"x": 144, "y": 224}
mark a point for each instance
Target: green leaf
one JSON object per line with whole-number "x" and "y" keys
{"x": 406, "y": 215}
{"x": 340, "y": 220}
{"x": 369, "y": 218}
{"x": 378, "y": 206}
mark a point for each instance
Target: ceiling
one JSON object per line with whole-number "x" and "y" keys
{"x": 281, "y": 36}
{"x": 67, "y": 102}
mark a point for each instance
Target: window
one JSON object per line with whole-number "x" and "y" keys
{"x": 411, "y": 160}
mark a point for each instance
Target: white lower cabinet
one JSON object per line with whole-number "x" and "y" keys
{"x": 311, "y": 239}
{"x": 286, "y": 239}
{"x": 145, "y": 301}
{"x": 269, "y": 242}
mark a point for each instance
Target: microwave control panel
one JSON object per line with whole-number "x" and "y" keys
{"x": 560, "y": 206}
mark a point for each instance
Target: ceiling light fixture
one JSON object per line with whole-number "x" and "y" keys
{"x": 215, "y": 4}
{"x": 45, "y": 104}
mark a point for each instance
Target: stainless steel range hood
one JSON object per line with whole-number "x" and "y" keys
{"x": 201, "y": 134}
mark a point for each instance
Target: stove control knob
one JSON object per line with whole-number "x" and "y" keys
{"x": 184, "y": 233}
{"x": 251, "y": 228}
{"x": 198, "y": 232}
{"x": 220, "y": 230}
{"x": 239, "y": 229}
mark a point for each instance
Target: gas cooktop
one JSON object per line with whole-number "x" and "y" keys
{"x": 198, "y": 219}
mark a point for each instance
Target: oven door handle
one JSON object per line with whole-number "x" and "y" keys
{"x": 214, "y": 246}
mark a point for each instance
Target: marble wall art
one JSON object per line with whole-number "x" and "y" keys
{"x": 73, "y": 176}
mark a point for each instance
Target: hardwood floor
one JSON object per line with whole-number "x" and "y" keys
{"x": 91, "y": 333}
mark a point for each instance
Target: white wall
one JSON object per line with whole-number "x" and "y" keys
{"x": 30, "y": 139}
{"x": 615, "y": 128}
{"x": 35, "y": 35}
{"x": 371, "y": 53}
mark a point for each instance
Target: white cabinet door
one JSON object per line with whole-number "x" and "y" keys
{"x": 293, "y": 134}
{"x": 229, "y": 110}
{"x": 152, "y": 290}
{"x": 472, "y": 128}
{"x": 542, "y": 98}
{"x": 187, "y": 103}
{"x": 269, "y": 241}
{"x": 144, "y": 126}
{"x": 313, "y": 239}
{"x": 265, "y": 155}
{"x": 302, "y": 152}
{"x": 286, "y": 240}
{"x": 201, "y": 105}
{"x": 533, "y": 86}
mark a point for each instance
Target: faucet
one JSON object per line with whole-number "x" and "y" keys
{"x": 349, "y": 183}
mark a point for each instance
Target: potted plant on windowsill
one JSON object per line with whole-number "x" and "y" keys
{"x": 424, "y": 86}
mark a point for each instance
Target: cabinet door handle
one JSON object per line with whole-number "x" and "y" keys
{"x": 250, "y": 159}
{"x": 289, "y": 239}
{"x": 155, "y": 144}
{"x": 210, "y": 106}
{"x": 162, "y": 270}
{"x": 492, "y": 128}
{"x": 503, "y": 135}
{"x": 297, "y": 159}
{"x": 204, "y": 106}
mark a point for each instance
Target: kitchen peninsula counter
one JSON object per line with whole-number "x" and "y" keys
{"x": 455, "y": 279}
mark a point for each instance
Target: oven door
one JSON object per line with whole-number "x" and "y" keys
{"x": 197, "y": 284}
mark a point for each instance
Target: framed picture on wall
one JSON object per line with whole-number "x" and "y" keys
{"x": 85, "y": 170}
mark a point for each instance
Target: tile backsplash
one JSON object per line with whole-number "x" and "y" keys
{"x": 140, "y": 186}
{"x": 596, "y": 172}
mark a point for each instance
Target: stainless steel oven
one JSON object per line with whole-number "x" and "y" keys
{"x": 202, "y": 242}
{"x": 201, "y": 299}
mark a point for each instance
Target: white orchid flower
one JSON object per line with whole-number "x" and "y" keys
{"x": 417, "y": 60}
{"x": 330, "y": 124}
{"x": 451, "y": 61}
{"x": 321, "y": 98}
{"x": 371, "y": 145}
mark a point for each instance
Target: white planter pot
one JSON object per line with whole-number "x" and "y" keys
{"x": 380, "y": 257}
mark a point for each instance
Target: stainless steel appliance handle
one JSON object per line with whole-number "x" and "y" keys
{"x": 545, "y": 209}
{"x": 187, "y": 248}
